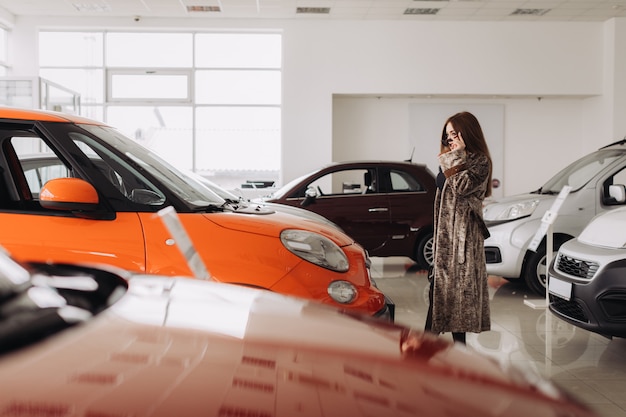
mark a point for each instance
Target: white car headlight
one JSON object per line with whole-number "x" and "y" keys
{"x": 342, "y": 291}
{"x": 315, "y": 248}
{"x": 517, "y": 210}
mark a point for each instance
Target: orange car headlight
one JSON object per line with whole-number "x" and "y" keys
{"x": 315, "y": 248}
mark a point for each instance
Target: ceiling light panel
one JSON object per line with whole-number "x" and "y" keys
{"x": 529, "y": 12}
{"x": 92, "y": 6}
{"x": 196, "y": 4}
{"x": 203, "y": 9}
{"x": 421, "y": 11}
{"x": 313, "y": 10}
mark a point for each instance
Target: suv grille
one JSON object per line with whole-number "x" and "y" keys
{"x": 570, "y": 309}
{"x": 576, "y": 267}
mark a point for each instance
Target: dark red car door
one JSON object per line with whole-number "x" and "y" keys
{"x": 410, "y": 206}
{"x": 350, "y": 197}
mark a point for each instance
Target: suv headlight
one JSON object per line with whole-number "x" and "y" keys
{"x": 512, "y": 212}
{"x": 315, "y": 248}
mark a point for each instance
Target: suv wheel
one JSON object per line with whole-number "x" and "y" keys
{"x": 536, "y": 269}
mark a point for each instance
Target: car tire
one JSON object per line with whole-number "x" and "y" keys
{"x": 536, "y": 269}
{"x": 424, "y": 252}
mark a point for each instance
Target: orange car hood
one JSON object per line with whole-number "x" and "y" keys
{"x": 182, "y": 347}
{"x": 271, "y": 223}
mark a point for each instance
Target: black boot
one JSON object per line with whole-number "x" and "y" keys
{"x": 428, "y": 327}
{"x": 458, "y": 337}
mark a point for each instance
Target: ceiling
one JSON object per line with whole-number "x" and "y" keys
{"x": 437, "y": 10}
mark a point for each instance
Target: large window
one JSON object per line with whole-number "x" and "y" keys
{"x": 209, "y": 102}
{"x": 3, "y": 51}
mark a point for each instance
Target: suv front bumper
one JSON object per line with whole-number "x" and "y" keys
{"x": 506, "y": 248}
{"x": 597, "y": 303}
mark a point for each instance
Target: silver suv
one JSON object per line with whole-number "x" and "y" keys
{"x": 587, "y": 287}
{"x": 595, "y": 180}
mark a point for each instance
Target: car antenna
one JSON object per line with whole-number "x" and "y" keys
{"x": 619, "y": 142}
{"x": 411, "y": 157}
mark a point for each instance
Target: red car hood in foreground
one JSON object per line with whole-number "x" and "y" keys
{"x": 180, "y": 347}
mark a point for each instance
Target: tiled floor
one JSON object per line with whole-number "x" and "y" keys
{"x": 591, "y": 367}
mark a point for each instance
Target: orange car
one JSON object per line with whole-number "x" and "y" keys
{"x": 95, "y": 196}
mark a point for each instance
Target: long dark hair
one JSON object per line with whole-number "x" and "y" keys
{"x": 467, "y": 125}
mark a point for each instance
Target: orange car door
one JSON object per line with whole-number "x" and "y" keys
{"x": 31, "y": 233}
{"x": 60, "y": 238}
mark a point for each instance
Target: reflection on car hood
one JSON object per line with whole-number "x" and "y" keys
{"x": 605, "y": 230}
{"x": 184, "y": 347}
{"x": 307, "y": 214}
{"x": 255, "y": 219}
{"x": 493, "y": 209}
{"x": 241, "y": 313}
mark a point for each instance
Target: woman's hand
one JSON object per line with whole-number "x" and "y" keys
{"x": 456, "y": 142}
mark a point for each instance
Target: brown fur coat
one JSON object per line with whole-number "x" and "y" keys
{"x": 460, "y": 295}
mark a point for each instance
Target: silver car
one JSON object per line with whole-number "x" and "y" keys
{"x": 587, "y": 278}
{"x": 595, "y": 180}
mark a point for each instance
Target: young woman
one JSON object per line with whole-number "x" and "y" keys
{"x": 459, "y": 296}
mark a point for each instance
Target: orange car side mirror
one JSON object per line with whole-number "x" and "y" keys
{"x": 68, "y": 194}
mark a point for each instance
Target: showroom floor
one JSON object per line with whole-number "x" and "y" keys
{"x": 591, "y": 367}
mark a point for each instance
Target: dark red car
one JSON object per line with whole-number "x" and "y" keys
{"x": 386, "y": 206}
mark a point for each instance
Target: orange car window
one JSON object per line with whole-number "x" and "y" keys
{"x": 128, "y": 180}
{"x": 37, "y": 163}
{"x": 16, "y": 171}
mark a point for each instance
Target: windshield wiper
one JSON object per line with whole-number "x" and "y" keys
{"x": 542, "y": 191}
{"x": 211, "y": 208}
{"x": 231, "y": 201}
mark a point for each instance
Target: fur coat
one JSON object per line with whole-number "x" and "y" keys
{"x": 460, "y": 295}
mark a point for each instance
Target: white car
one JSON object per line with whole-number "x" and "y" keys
{"x": 587, "y": 279}
{"x": 595, "y": 180}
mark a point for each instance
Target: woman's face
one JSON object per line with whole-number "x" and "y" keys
{"x": 455, "y": 141}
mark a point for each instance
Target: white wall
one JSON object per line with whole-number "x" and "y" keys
{"x": 356, "y": 61}
{"x": 574, "y": 66}
{"x": 541, "y": 136}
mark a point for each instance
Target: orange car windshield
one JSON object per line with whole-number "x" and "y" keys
{"x": 129, "y": 154}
